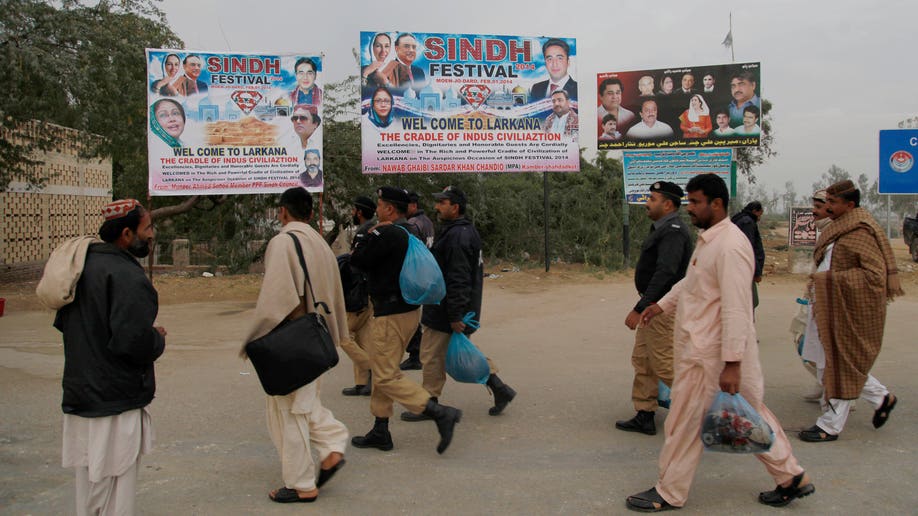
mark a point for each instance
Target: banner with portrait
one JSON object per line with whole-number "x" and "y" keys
{"x": 802, "y": 232}
{"x": 233, "y": 123}
{"x": 435, "y": 102}
{"x": 687, "y": 107}
{"x": 644, "y": 168}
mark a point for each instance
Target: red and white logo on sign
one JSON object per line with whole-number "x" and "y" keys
{"x": 901, "y": 161}
{"x": 246, "y": 100}
{"x": 475, "y": 94}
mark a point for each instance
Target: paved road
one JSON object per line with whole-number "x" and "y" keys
{"x": 554, "y": 451}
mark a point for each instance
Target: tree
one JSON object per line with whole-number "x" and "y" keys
{"x": 79, "y": 66}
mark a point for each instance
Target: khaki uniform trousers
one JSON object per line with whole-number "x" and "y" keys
{"x": 391, "y": 334}
{"x": 294, "y": 433}
{"x": 358, "y": 326}
{"x": 433, "y": 359}
{"x": 696, "y": 384}
{"x": 652, "y": 359}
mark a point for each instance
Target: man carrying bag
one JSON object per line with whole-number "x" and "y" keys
{"x": 298, "y": 420}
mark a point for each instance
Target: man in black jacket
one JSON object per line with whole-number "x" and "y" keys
{"x": 748, "y": 221}
{"x": 359, "y": 310}
{"x": 110, "y": 345}
{"x": 381, "y": 254}
{"x": 457, "y": 249}
{"x": 425, "y": 230}
{"x": 664, "y": 259}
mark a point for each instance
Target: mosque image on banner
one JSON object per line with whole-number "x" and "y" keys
{"x": 468, "y": 103}
{"x": 686, "y": 107}
{"x": 234, "y": 123}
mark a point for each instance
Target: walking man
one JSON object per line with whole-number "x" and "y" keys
{"x": 110, "y": 344}
{"x": 425, "y": 230}
{"x": 716, "y": 350}
{"x": 357, "y": 303}
{"x": 664, "y": 258}
{"x": 381, "y": 255}
{"x": 855, "y": 278}
{"x": 298, "y": 421}
{"x": 748, "y": 222}
{"x": 457, "y": 249}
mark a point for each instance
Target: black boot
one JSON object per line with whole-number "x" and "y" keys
{"x": 412, "y": 417}
{"x": 379, "y": 437}
{"x": 503, "y": 394}
{"x": 360, "y": 389}
{"x": 642, "y": 422}
{"x": 446, "y": 418}
{"x": 412, "y": 363}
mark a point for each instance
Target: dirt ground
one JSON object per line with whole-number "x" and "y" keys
{"x": 559, "y": 340}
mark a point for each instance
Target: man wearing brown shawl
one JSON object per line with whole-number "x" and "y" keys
{"x": 856, "y": 277}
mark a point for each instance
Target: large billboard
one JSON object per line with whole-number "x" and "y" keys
{"x": 468, "y": 103}
{"x": 644, "y": 168}
{"x": 233, "y": 123}
{"x": 686, "y": 107}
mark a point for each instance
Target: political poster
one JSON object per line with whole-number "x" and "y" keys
{"x": 644, "y": 168}
{"x": 434, "y": 102}
{"x": 802, "y": 232}
{"x": 234, "y": 123}
{"x": 685, "y": 107}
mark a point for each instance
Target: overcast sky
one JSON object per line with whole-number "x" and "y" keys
{"x": 836, "y": 71}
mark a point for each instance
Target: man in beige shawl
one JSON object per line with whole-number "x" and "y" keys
{"x": 298, "y": 421}
{"x": 856, "y": 277}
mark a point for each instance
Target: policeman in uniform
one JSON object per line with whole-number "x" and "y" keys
{"x": 664, "y": 259}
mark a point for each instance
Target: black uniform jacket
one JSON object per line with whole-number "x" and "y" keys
{"x": 109, "y": 340}
{"x": 664, "y": 259}
{"x": 380, "y": 254}
{"x": 457, "y": 249}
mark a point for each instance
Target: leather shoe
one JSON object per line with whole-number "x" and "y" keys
{"x": 814, "y": 434}
{"x": 357, "y": 390}
{"x": 411, "y": 417}
{"x": 379, "y": 439}
{"x": 642, "y": 422}
{"x": 411, "y": 364}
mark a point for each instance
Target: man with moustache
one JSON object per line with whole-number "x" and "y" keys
{"x": 688, "y": 84}
{"x": 563, "y": 119}
{"x": 110, "y": 345}
{"x": 557, "y": 59}
{"x": 742, "y": 88}
{"x": 649, "y": 128}
{"x": 401, "y": 73}
{"x": 610, "y": 98}
{"x": 305, "y": 122}
{"x": 306, "y": 91}
{"x": 190, "y": 84}
{"x": 311, "y": 178}
{"x": 664, "y": 258}
{"x": 381, "y": 255}
{"x": 716, "y": 350}
{"x": 458, "y": 253}
{"x": 855, "y": 279}
{"x": 357, "y": 303}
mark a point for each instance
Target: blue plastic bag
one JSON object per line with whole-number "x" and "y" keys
{"x": 464, "y": 362}
{"x": 663, "y": 394}
{"x": 731, "y": 425}
{"x": 420, "y": 279}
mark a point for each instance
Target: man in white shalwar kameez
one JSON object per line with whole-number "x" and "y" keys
{"x": 297, "y": 421}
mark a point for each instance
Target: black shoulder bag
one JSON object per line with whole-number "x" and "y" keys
{"x": 297, "y": 351}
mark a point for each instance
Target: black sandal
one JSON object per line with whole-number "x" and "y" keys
{"x": 648, "y": 501}
{"x": 287, "y": 495}
{"x": 814, "y": 434}
{"x": 782, "y": 496}
{"x": 882, "y": 414}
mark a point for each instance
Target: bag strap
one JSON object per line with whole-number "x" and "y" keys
{"x": 299, "y": 253}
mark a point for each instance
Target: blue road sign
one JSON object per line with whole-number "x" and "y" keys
{"x": 898, "y": 173}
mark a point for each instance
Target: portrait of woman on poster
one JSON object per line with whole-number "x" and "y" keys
{"x": 695, "y": 121}
{"x": 381, "y": 107}
{"x": 380, "y": 48}
{"x": 167, "y": 121}
{"x": 666, "y": 85}
{"x": 172, "y": 72}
